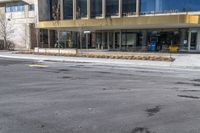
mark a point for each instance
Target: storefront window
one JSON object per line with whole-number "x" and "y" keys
{"x": 63, "y": 39}
{"x": 54, "y": 9}
{"x": 81, "y": 11}
{"x": 104, "y": 40}
{"x": 117, "y": 40}
{"x": 169, "y": 6}
{"x": 96, "y": 8}
{"x": 193, "y": 42}
{"x": 43, "y": 37}
{"x": 68, "y": 9}
{"x": 129, "y": 7}
{"x": 164, "y": 39}
{"x": 99, "y": 40}
{"x": 112, "y": 8}
{"x": 129, "y": 40}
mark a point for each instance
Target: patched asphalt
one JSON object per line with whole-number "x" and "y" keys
{"x": 53, "y": 97}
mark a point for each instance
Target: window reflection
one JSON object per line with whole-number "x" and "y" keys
{"x": 68, "y": 9}
{"x": 54, "y": 9}
{"x": 129, "y": 7}
{"x": 96, "y": 8}
{"x": 168, "y": 6}
{"x": 81, "y": 8}
{"x": 112, "y": 8}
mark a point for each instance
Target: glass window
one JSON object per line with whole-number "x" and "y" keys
{"x": 96, "y": 8}
{"x": 169, "y": 6}
{"x": 193, "y": 5}
{"x": 99, "y": 39}
{"x": 54, "y": 9}
{"x": 20, "y": 7}
{"x": 117, "y": 40}
{"x": 8, "y": 9}
{"x": 44, "y": 10}
{"x": 129, "y": 7}
{"x": 147, "y": 6}
{"x": 182, "y": 6}
{"x": 81, "y": 11}
{"x": 112, "y": 8}
{"x": 31, "y": 7}
{"x": 68, "y": 9}
{"x": 193, "y": 43}
{"x": 15, "y": 7}
{"x": 129, "y": 39}
{"x": 43, "y": 36}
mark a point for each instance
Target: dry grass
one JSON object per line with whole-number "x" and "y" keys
{"x": 124, "y": 57}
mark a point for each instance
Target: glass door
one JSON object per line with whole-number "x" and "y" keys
{"x": 193, "y": 41}
{"x": 117, "y": 40}
{"x": 110, "y": 42}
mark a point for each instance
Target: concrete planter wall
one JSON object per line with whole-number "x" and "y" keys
{"x": 55, "y": 51}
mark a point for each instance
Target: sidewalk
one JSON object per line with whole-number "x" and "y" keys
{"x": 183, "y": 61}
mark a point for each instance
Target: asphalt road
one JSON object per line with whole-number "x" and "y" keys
{"x": 53, "y": 97}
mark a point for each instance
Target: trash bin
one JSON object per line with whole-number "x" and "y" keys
{"x": 153, "y": 47}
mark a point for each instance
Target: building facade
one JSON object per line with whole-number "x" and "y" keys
{"x": 129, "y": 25}
{"x": 20, "y": 17}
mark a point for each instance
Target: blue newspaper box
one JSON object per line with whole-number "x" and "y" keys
{"x": 153, "y": 47}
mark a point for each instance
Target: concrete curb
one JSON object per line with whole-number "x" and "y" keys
{"x": 86, "y": 60}
{"x": 116, "y": 62}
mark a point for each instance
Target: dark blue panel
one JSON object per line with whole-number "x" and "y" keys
{"x": 112, "y": 8}
{"x": 68, "y": 9}
{"x": 96, "y": 8}
{"x": 169, "y": 6}
{"x": 128, "y": 7}
{"x": 81, "y": 8}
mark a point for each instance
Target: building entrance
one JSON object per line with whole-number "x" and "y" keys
{"x": 162, "y": 40}
{"x": 108, "y": 40}
{"x": 193, "y": 41}
{"x": 126, "y": 40}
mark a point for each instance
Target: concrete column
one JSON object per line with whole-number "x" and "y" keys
{"x": 198, "y": 41}
{"x": 49, "y": 38}
{"x": 81, "y": 40}
{"x": 74, "y": 9}
{"x": 26, "y": 12}
{"x": 137, "y": 7}
{"x": 58, "y": 35}
{"x": 120, "y": 8}
{"x": 36, "y": 11}
{"x": 38, "y": 37}
{"x": 93, "y": 38}
{"x": 26, "y": 28}
{"x": 103, "y": 8}
{"x": 182, "y": 39}
{"x": 87, "y": 40}
{"x": 120, "y": 40}
{"x": 61, "y": 10}
{"x": 102, "y": 39}
{"x": 88, "y": 9}
{"x": 28, "y": 36}
{"x": 189, "y": 40}
{"x": 108, "y": 41}
{"x": 113, "y": 40}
